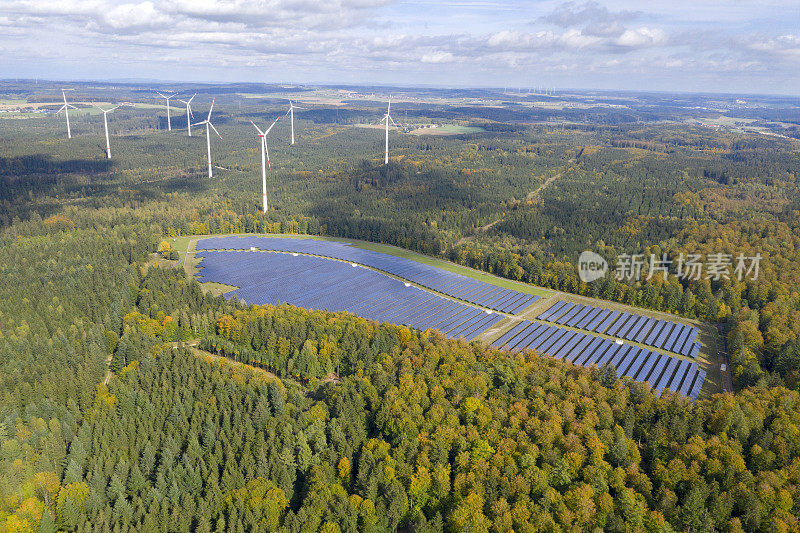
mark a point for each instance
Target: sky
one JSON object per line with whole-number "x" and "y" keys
{"x": 728, "y": 46}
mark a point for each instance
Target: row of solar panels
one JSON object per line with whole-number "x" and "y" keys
{"x": 664, "y": 334}
{"x": 437, "y": 279}
{"x": 660, "y": 370}
{"x": 317, "y": 283}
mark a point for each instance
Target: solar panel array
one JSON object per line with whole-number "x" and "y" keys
{"x": 661, "y": 371}
{"x": 318, "y": 283}
{"x": 664, "y": 334}
{"x": 449, "y": 283}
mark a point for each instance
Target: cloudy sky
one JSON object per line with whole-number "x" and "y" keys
{"x": 672, "y": 45}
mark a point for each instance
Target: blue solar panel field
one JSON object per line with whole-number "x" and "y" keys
{"x": 659, "y": 333}
{"x": 660, "y": 370}
{"x": 329, "y": 275}
{"x": 439, "y": 280}
{"x": 320, "y": 283}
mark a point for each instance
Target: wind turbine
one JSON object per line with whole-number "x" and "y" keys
{"x": 292, "y": 107}
{"x": 209, "y": 127}
{"x": 65, "y": 109}
{"x": 189, "y": 114}
{"x": 386, "y": 118}
{"x": 264, "y": 159}
{"x": 105, "y": 123}
{"x": 169, "y": 121}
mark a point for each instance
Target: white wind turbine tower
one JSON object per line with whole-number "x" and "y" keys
{"x": 105, "y": 123}
{"x": 189, "y": 115}
{"x": 292, "y": 107}
{"x": 209, "y": 127}
{"x": 65, "y": 109}
{"x": 264, "y": 159}
{"x": 165, "y": 97}
{"x": 386, "y": 118}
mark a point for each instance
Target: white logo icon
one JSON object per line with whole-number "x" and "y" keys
{"x": 591, "y": 266}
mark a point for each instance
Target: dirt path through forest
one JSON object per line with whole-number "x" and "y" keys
{"x": 531, "y": 197}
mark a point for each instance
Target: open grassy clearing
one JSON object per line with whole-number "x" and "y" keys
{"x": 447, "y": 129}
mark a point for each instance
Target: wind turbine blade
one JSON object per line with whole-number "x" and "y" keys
{"x": 210, "y": 109}
{"x": 72, "y": 106}
{"x": 200, "y": 123}
{"x": 113, "y": 108}
{"x": 98, "y": 107}
{"x": 274, "y": 122}
{"x": 215, "y": 130}
{"x": 256, "y": 127}
{"x": 159, "y": 94}
{"x": 192, "y": 98}
{"x": 266, "y": 149}
{"x": 62, "y": 108}
{"x": 390, "y": 118}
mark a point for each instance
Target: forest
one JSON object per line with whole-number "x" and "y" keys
{"x": 131, "y": 400}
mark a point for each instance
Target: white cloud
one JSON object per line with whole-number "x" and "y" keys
{"x": 641, "y": 37}
{"x": 142, "y": 15}
{"x": 466, "y": 38}
{"x": 438, "y": 57}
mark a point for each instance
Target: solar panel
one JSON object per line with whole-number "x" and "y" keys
{"x": 668, "y": 373}
{"x": 569, "y": 315}
{"x": 580, "y": 315}
{"x": 677, "y": 379}
{"x": 553, "y": 348}
{"x": 644, "y": 331}
{"x": 687, "y": 347}
{"x": 658, "y": 369}
{"x": 586, "y": 320}
{"x": 688, "y": 380}
{"x": 698, "y": 384}
{"x": 601, "y": 328}
{"x": 673, "y": 336}
{"x": 650, "y": 359}
{"x": 579, "y": 351}
{"x": 525, "y": 340}
{"x": 562, "y": 311}
{"x": 606, "y": 353}
{"x": 547, "y": 313}
{"x": 620, "y": 322}
{"x": 620, "y": 356}
{"x": 695, "y": 351}
{"x": 569, "y": 346}
{"x": 510, "y": 334}
{"x": 542, "y": 344}
{"x": 662, "y": 337}
{"x": 637, "y": 328}
{"x": 599, "y": 319}
{"x": 518, "y": 307}
{"x": 681, "y": 341}
{"x": 628, "y": 360}
{"x": 630, "y": 325}
{"x": 591, "y": 352}
{"x": 656, "y": 331}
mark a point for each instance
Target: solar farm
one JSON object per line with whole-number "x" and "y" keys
{"x": 664, "y": 334}
{"x": 444, "y": 282}
{"x": 660, "y": 370}
{"x": 338, "y": 276}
